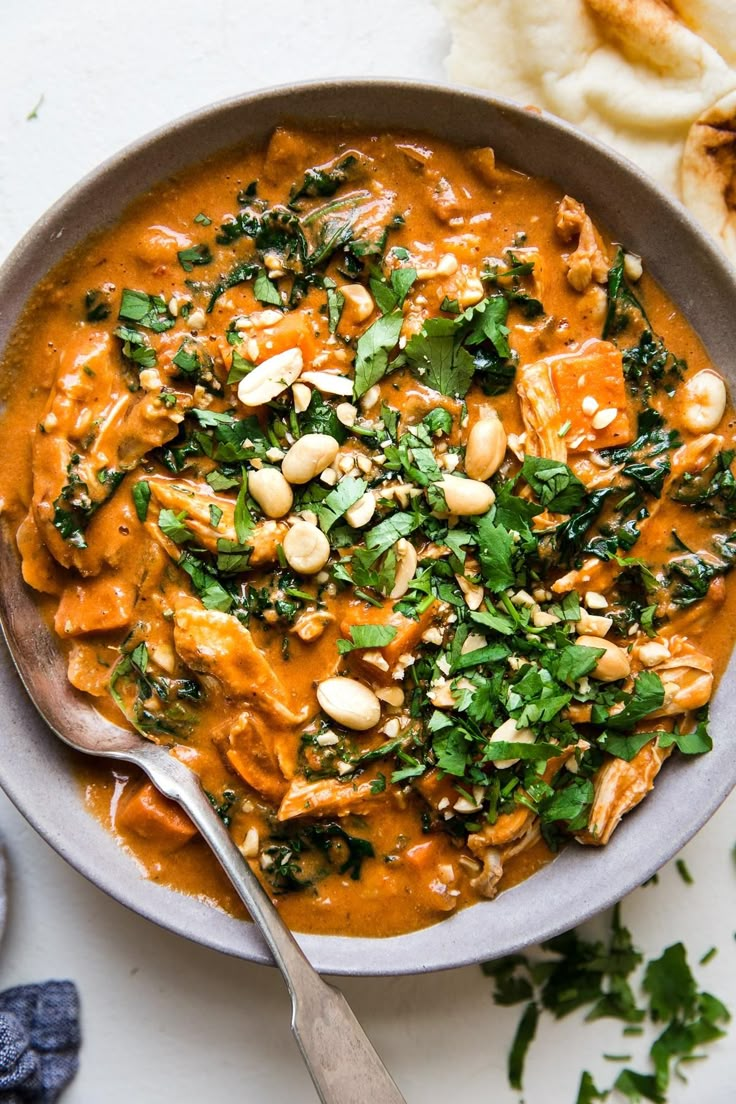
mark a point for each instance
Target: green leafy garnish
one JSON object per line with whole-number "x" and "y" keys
{"x": 367, "y": 636}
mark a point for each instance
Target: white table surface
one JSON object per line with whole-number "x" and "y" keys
{"x": 163, "y": 1019}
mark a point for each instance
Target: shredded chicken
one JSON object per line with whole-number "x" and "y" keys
{"x": 619, "y": 787}
{"x": 540, "y": 410}
{"x": 589, "y": 262}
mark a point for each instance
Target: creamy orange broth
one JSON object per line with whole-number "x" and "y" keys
{"x": 124, "y": 589}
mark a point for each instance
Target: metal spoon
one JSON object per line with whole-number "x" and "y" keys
{"x": 343, "y": 1064}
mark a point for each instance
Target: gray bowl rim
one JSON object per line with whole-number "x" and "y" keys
{"x": 36, "y": 769}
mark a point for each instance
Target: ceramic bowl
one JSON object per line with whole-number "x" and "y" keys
{"x": 36, "y": 771}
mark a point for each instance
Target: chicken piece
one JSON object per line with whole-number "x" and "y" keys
{"x": 380, "y": 664}
{"x": 327, "y": 797}
{"x": 508, "y": 827}
{"x": 540, "y": 410}
{"x": 435, "y": 877}
{"x": 594, "y": 574}
{"x": 94, "y": 428}
{"x": 40, "y": 570}
{"x": 619, "y": 787}
{"x": 158, "y": 245}
{"x": 287, "y": 154}
{"x": 253, "y": 754}
{"x": 218, "y": 645}
{"x": 195, "y": 499}
{"x": 100, "y": 604}
{"x": 687, "y": 677}
{"x": 494, "y": 859}
{"x": 437, "y": 788}
{"x": 589, "y": 262}
{"x": 591, "y": 393}
{"x": 483, "y": 162}
{"x": 512, "y": 833}
{"x": 90, "y": 665}
{"x": 695, "y": 456}
{"x": 153, "y": 817}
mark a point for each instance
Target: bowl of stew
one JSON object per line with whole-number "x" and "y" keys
{"x": 370, "y": 447}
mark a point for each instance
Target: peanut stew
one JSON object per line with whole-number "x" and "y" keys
{"x": 372, "y": 478}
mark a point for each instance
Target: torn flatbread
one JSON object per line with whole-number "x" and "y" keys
{"x": 709, "y": 171}
{"x": 627, "y": 71}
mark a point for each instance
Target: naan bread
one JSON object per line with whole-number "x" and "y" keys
{"x": 627, "y": 71}
{"x": 709, "y": 171}
{"x": 713, "y": 20}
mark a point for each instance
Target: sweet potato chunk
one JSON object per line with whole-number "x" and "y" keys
{"x": 293, "y": 331}
{"x": 408, "y": 635}
{"x": 591, "y": 391}
{"x": 153, "y": 817}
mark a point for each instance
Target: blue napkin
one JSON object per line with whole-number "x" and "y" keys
{"x": 39, "y": 1041}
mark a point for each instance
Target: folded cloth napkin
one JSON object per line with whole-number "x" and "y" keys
{"x": 39, "y": 1041}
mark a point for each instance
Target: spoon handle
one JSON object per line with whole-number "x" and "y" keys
{"x": 343, "y": 1064}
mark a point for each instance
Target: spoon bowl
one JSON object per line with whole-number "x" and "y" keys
{"x": 337, "y": 1052}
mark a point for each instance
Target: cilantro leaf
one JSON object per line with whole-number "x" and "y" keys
{"x": 379, "y": 539}
{"x": 697, "y": 742}
{"x": 141, "y": 497}
{"x": 625, "y": 747}
{"x": 556, "y": 486}
{"x": 496, "y": 546}
{"x": 210, "y": 590}
{"x": 571, "y": 804}
{"x": 670, "y": 985}
{"x": 172, "y": 525}
{"x": 341, "y": 498}
{"x": 451, "y": 751}
{"x": 438, "y": 360}
{"x": 488, "y": 319}
{"x": 367, "y": 636}
{"x": 265, "y": 290}
{"x": 335, "y": 304}
{"x": 390, "y": 294}
{"x": 194, "y": 255}
{"x": 373, "y": 349}
{"x": 574, "y": 661}
{"x": 587, "y": 1092}
{"x": 242, "y": 518}
{"x": 147, "y": 310}
{"x": 646, "y": 696}
{"x": 637, "y": 1085}
{"x": 525, "y": 1033}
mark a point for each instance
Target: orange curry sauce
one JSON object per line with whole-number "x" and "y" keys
{"x": 99, "y": 388}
